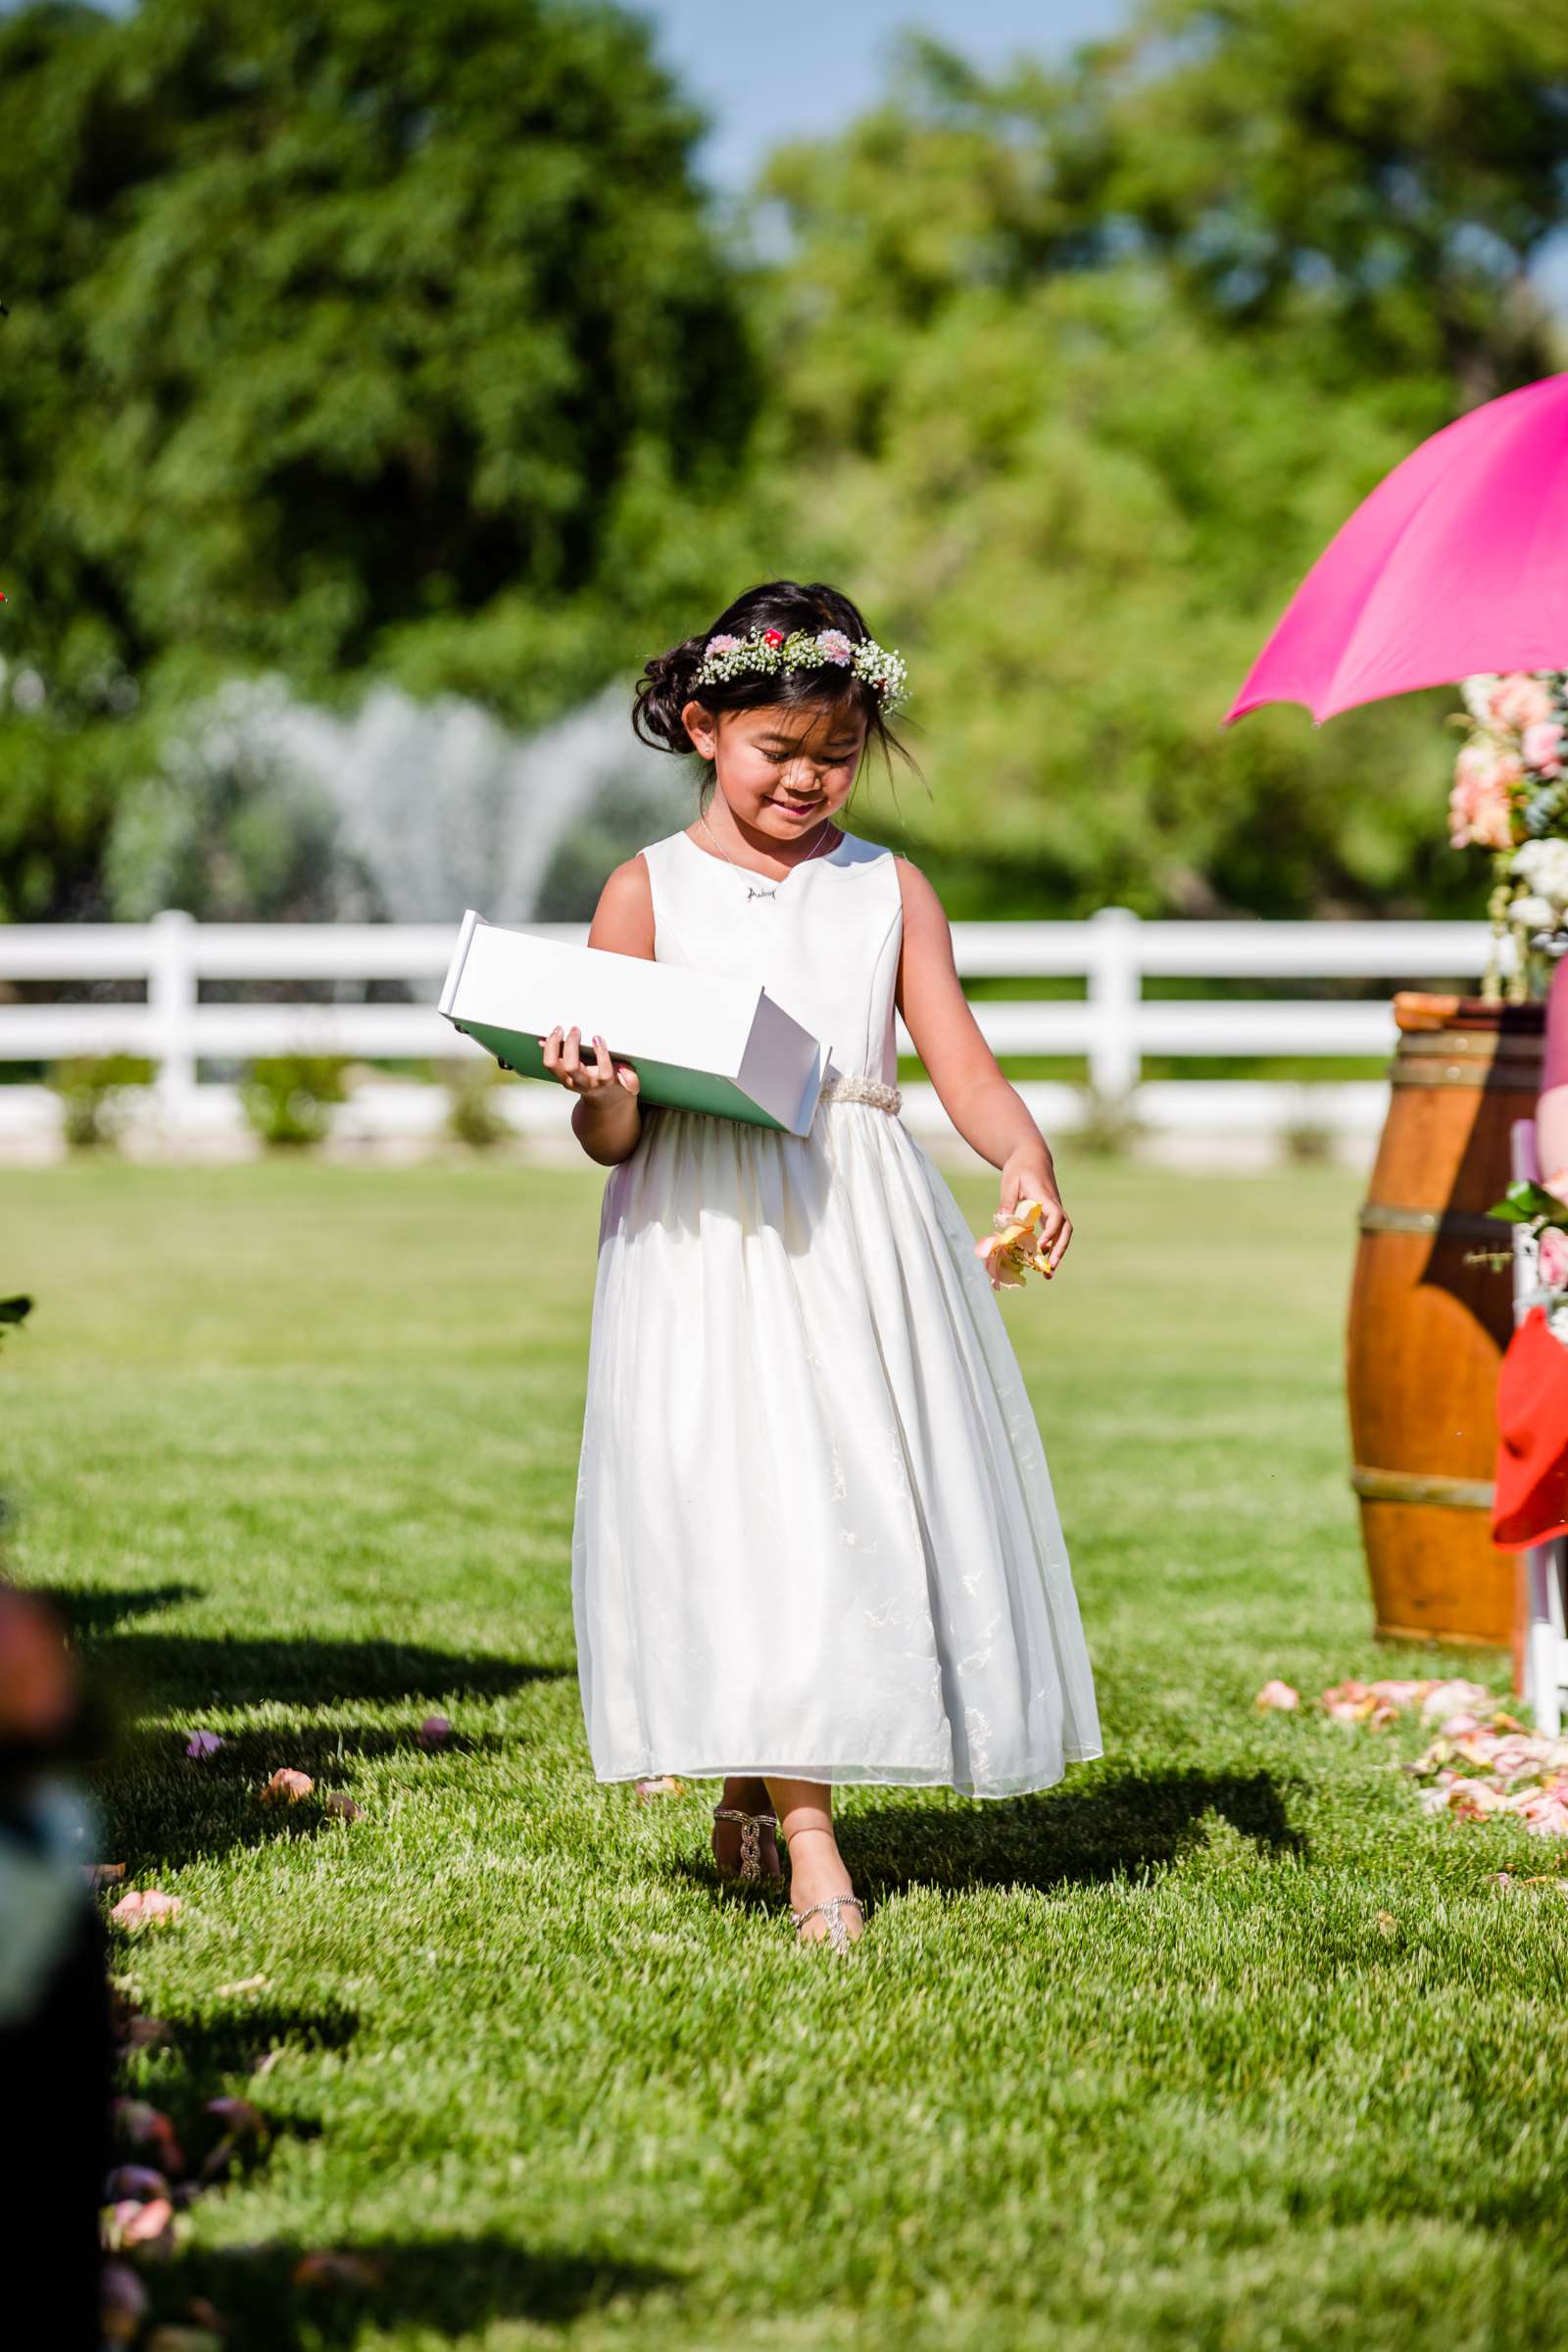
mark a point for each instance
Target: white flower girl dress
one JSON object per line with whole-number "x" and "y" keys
{"x": 814, "y": 1531}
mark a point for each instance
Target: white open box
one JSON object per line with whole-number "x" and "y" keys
{"x": 698, "y": 1041}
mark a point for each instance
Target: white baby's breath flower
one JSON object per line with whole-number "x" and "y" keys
{"x": 1536, "y": 914}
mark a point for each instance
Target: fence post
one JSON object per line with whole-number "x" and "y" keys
{"x": 171, "y": 1000}
{"x": 1115, "y": 989}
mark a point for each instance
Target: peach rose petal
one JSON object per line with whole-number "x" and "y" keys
{"x": 1277, "y": 1694}
{"x": 663, "y": 1786}
{"x": 144, "y": 1906}
{"x": 286, "y": 1786}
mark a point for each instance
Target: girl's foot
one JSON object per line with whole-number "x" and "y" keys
{"x": 816, "y": 1875}
{"x": 733, "y": 1840}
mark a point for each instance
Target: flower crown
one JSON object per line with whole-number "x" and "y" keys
{"x": 727, "y": 656}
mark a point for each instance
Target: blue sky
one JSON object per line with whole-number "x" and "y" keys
{"x": 770, "y": 74}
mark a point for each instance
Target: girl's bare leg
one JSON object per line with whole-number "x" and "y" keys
{"x": 745, "y": 1796}
{"x": 805, "y": 1810}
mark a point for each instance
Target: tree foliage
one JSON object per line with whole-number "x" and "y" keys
{"x": 364, "y": 339}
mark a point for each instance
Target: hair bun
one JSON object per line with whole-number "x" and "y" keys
{"x": 663, "y": 692}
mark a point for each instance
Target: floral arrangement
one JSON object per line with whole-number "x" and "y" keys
{"x": 1510, "y": 795}
{"x": 1009, "y": 1251}
{"x": 769, "y": 650}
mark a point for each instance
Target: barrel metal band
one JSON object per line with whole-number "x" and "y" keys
{"x": 1417, "y": 1486}
{"x": 1469, "y": 1045}
{"x": 1446, "y": 1224}
{"x": 1509, "y": 1077}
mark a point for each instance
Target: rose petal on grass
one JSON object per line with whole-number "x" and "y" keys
{"x": 134, "y": 2180}
{"x": 336, "y": 2270}
{"x": 434, "y": 1732}
{"x": 663, "y": 1786}
{"x": 202, "y": 1744}
{"x": 239, "y": 2117}
{"x": 342, "y": 1807}
{"x": 142, "y": 2032}
{"x": 1386, "y": 1923}
{"x": 136, "y": 2226}
{"x": 286, "y": 1786}
{"x": 143, "y": 1907}
{"x": 1277, "y": 1694}
{"x": 243, "y": 1985}
{"x": 103, "y": 1874}
{"x": 143, "y": 2125}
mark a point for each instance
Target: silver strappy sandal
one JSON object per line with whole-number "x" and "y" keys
{"x": 751, "y": 1862}
{"x": 832, "y": 1910}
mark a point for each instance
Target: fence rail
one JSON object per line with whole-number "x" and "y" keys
{"x": 1113, "y": 1026}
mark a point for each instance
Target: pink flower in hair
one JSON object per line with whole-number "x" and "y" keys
{"x": 834, "y": 646}
{"x": 722, "y": 644}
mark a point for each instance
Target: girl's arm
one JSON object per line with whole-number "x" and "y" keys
{"x": 607, "y": 1119}
{"x": 985, "y": 1110}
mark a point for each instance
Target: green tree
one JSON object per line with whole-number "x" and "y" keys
{"x": 347, "y": 337}
{"x": 1076, "y": 464}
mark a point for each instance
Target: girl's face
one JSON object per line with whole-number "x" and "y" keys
{"x": 783, "y": 771}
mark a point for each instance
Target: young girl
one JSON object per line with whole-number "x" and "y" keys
{"x": 816, "y": 1539}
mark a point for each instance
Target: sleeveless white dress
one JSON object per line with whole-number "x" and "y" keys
{"x": 814, "y": 1532}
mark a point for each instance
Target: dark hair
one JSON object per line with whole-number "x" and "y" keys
{"x": 667, "y": 686}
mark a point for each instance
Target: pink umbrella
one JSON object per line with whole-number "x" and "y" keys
{"x": 1458, "y": 563}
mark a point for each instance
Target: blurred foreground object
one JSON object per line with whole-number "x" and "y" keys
{"x": 56, "y": 2052}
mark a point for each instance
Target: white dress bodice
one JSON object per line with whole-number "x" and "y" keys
{"x": 825, "y": 946}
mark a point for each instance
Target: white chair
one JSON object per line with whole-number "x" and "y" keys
{"x": 1546, "y": 1659}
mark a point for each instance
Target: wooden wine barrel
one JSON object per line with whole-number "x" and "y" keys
{"x": 1427, "y": 1331}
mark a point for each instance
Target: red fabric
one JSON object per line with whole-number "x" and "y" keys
{"x": 1531, "y": 1498}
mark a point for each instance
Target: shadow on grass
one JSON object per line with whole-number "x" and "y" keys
{"x": 89, "y": 1612}
{"x": 456, "y": 2286}
{"x": 194, "y": 1671}
{"x": 1136, "y": 1822}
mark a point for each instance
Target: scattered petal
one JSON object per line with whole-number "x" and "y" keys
{"x": 1386, "y": 1923}
{"x": 202, "y": 1744}
{"x": 434, "y": 1732}
{"x": 286, "y": 1786}
{"x": 243, "y": 1985}
{"x": 336, "y": 2270}
{"x": 141, "y": 2227}
{"x": 343, "y": 1808}
{"x": 665, "y": 1786}
{"x": 239, "y": 2117}
{"x": 142, "y": 2125}
{"x": 144, "y": 1905}
{"x": 1277, "y": 1694}
{"x": 134, "y": 2180}
{"x": 103, "y": 1874}
{"x": 142, "y": 2032}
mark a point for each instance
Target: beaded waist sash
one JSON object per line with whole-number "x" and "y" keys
{"x": 875, "y": 1091}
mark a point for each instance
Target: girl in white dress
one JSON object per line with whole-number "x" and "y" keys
{"x": 814, "y": 1537}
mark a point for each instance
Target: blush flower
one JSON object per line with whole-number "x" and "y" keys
{"x": 1480, "y": 811}
{"x": 834, "y": 646}
{"x": 1543, "y": 747}
{"x": 1519, "y": 700}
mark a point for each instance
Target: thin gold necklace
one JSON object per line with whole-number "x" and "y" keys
{"x": 751, "y": 891}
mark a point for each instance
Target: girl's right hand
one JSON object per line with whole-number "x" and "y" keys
{"x": 597, "y": 1076}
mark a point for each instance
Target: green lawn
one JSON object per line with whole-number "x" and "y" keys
{"x": 1132, "y": 2063}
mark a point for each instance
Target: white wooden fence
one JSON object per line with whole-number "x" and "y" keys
{"x": 1113, "y": 1025}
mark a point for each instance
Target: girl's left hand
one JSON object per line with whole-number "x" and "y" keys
{"x": 1026, "y": 1178}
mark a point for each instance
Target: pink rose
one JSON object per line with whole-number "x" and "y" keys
{"x": 834, "y": 646}
{"x": 1553, "y": 1257}
{"x": 1480, "y": 809}
{"x": 1519, "y": 700}
{"x": 722, "y": 645}
{"x": 1544, "y": 747}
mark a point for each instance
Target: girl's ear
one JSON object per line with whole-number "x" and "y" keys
{"x": 701, "y": 726}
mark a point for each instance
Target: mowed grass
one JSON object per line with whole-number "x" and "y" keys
{"x": 1221, "y": 2042}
